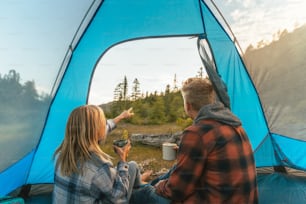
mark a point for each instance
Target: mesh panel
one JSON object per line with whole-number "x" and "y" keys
{"x": 278, "y": 71}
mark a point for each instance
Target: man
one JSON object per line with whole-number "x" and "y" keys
{"x": 215, "y": 162}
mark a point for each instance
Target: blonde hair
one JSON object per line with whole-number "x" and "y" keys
{"x": 198, "y": 92}
{"x": 85, "y": 126}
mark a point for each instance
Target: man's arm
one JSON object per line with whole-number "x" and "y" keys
{"x": 190, "y": 164}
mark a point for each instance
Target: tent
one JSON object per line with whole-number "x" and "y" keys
{"x": 276, "y": 127}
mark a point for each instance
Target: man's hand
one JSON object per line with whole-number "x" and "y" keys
{"x": 176, "y": 147}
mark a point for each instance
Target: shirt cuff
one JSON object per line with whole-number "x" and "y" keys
{"x": 122, "y": 166}
{"x": 110, "y": 125}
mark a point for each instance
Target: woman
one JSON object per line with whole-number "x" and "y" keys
{"x": 84, "y": 173}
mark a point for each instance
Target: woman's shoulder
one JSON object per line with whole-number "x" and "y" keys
{"x": 96, "y": 163}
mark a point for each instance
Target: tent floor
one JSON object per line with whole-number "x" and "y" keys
{"x": 40, "y": 199}
{"x": 273, "y": 188}
{"x": 278, "y": 188}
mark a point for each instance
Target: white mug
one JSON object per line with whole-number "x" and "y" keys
{"x": 169, "y": 153}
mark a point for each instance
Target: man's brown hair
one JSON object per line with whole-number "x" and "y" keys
{"x": 198, "y": 92}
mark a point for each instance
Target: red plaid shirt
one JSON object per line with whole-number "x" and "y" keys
{"x": 215, "y": 164}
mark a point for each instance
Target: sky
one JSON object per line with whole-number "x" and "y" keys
{"x": 37, "y": 33}
{"x": 256, "y": 20}
{"x": 156, "y": 63}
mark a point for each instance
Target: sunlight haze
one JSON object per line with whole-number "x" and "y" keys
{"x": 33, "y": 36}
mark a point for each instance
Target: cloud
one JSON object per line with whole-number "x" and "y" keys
{"x": 254, "y": 21}
{"x": 248, "y": 3}
{"x": 228, "y": 1}
{"x": 238, "y": 14}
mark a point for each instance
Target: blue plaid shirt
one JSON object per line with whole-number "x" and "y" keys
{"x": 99, "y": 183}
{"x": 110, "y": 125}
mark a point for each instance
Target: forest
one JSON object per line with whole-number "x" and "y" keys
{"x": 150, "y": 108}
{"x": 22, "y": 116}
{"x": 20, "y": 102}
{"x": 25, "y": 109}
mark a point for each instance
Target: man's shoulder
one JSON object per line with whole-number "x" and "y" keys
{"x": 204, "y": 124}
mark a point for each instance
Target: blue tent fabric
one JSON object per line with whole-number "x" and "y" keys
{"x": 231, "y": 69}
{"x": 281, "y": 189}
{"x": 119, "y": 21}
{"x": 293, "y": 157}
{"x": 99, "y": 36}
{"x": 15, "y": 175}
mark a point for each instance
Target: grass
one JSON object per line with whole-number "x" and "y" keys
{"x": 148, "y": 157}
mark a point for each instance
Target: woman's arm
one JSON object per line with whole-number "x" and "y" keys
{"x": 124, "y": 115}
{"x": 111, "y": 124}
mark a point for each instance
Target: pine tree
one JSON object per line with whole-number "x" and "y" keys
{"x": 121, "y": 91}
{"x": 118, "y": 94}
{"x": 167, "y": 91}
{"x": 136, "y": 90}
{"x": 175, "y": 88}
{"x": 200, "y": 73}
{"x": 125, "y": 89}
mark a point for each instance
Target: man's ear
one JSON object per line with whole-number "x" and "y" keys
{"x": 188, "y": 106}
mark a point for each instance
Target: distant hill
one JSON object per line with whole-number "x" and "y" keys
{"x": 106, "y": 107}
{"x": 279, "y": 72}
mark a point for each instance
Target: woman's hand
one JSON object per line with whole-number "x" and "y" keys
{"x": 127, "y": 113}
{"x": 123, "y": 152}
{"x": 124, "y": 115}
